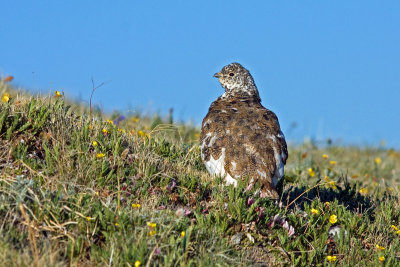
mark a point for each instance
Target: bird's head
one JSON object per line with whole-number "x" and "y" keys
{"x": 237, "y": 81}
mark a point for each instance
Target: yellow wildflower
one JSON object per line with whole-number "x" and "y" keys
{"x": 363, "y": 191}
{"x": 183, "y": 234}
{"x": 331, "y": 258}
{"x": 94, "y": 143}
{"x": 116, "y": 224}
{"x": 151, "y": 225}
{"x": 100, "y": 155}
{"x": 110, "y": 122}
{"x": 379, "y": 247}
{"x": 121, "y": 130}
{"x": 57, "y": 94}
{"x": 135, "y": 119}
{"x": 394, "y": 227}
{"x": 382, "y": 258}
{"x": 151, "y": 233}
{"x": 332, "y": 162}
{"x": 6, "y": 97}
{"x": 333, "y": 219}
{"x": 197, "y": 135}
{"x": 331, "y": 183}
{"x": 378, "y": 160}
{"x": 137, "y": 263}
{"x": 311, "y": 172}
{"x": 314, "y": 211}
{"x": 324, "y": 156}
{"x": 327, "y": 203}
{"x": 141, "y": 133}
{"x": 134, "y": 205}
{"x": 88, "y": 219}
{"x": 105, "y": 131}
{"x": 398, "y": 232}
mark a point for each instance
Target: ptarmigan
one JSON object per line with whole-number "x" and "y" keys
{"x": 241, "y": 138}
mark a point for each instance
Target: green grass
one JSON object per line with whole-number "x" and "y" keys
{"x": 62, "y": 203}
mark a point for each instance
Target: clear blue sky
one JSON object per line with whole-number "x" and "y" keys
{"x": 331, "y": 67}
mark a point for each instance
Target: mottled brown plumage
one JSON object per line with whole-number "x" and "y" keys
{"x": 240, "y": 137}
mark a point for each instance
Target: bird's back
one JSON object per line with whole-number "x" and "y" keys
{"x": 241, "y": 138}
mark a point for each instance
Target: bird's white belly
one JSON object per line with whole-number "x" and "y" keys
{"x": 280, "y": 166}
{"x": 216, "y": 167}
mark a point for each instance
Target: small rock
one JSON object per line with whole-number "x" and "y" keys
{"x": 180, "y": 212}
{"x": 236, "y": 239}
{"x": 334, "y": 232}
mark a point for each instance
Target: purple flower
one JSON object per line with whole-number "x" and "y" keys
{"x": 119, "y": 119}
{"x": 249, "y": 187}
{"x": 263, "y": 195}
{"x": 283, "y": 223}
{"x": 187, "y": 212}
{"x": 250, "y": 201}
{"x": 291, "y": 231}
{"x": 171, "y": 186}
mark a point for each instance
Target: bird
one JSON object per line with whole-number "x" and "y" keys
{"x": 240, "y": 138}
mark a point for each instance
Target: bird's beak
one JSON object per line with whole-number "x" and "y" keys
{"x": 217, "y": 75}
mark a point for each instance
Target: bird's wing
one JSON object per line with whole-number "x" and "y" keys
{"x": 270, "y": 120}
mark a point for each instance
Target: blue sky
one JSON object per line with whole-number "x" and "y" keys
{"x": 330, "y": 67}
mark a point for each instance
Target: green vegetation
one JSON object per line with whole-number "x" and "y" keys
{"x": 85, "y": 191}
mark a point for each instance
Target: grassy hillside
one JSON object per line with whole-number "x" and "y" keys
{"x": 132, "y": 191}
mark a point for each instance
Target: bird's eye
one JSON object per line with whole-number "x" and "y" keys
{"x": 231, "y": 74}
